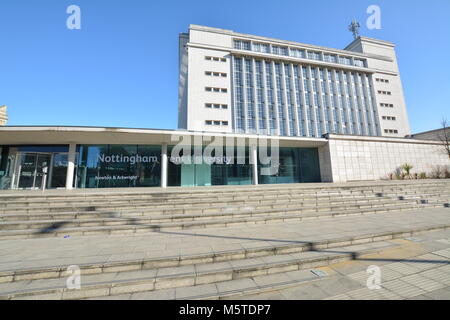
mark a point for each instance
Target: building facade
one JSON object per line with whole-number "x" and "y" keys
{"x": 240, "y": 83}
{"x": 252, "y": 110}
{"x": 3, "y": 116}
{"x": 90, "y": 157}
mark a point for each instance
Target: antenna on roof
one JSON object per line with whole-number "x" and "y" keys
{"x": 354, "y": 28}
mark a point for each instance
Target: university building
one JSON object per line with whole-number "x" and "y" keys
{"x": 317, "y": 114}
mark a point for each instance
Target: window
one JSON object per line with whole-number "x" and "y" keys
{"x": 208, "y": 105}
{"x": 209, "y": 58}
{"x": 381, "y": 80}
{"x": 391, "y": 131}
{"x": 216, "y": 122}
{"x": 384, "y": 92}
{"x": 216, "y": 74}
{"x": 345, "y": 60}
{"x": 314, "y": 55}
{"x": 387, "y": 105}
{"x": 358, "y": 62}
{"x": 389, "y": 118}
{"x": 330, "y": 58}
{"x": 298, "y": 53}
{"x": 242, "y": 45}
{"x": 209, "y": 89}
{"x": 216, "y": 106}
{"x": 224, "y": 106}
{"x": 280, "y": 50}
{"x": 261, "y": 47}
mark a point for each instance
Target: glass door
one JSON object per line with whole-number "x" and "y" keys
{"x": 42, "y": 161}
{"x": 29, "y": 174}
{"x": 26, "y": 169}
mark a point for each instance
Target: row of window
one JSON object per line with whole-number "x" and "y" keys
{"x": 216, "y": 74}
{"x": 298, "y": 53}
{"x": 384, "y": 92}
{"x": 390, "y": 131}
{"x": 212, "y": 89}
{"x": 301, "y": 100}
{"x": 216, "y": 106}
{"x": 387, "y": 105}
{"x": 209, "y": 58}
{"x": 216, "y": 123}
{"x": 389, "y": 118}
{"x": 381, "y": 80}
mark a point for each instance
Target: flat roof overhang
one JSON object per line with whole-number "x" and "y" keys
{"x": 48, "y": 135}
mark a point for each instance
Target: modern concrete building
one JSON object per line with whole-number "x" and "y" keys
{"x": 252, "y": 110}
{"x": 442, "y": 134}
{"x": 3, "y": 116}
{"x": 241, "y": 83}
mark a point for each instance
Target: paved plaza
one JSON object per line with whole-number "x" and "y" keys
{"x": 415, "y": 265}
{"x": 418, "y": 268}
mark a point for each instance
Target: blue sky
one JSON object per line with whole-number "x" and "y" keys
{"x": 121, "y": 68}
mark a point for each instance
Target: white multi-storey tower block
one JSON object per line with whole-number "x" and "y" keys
{"x": 233, "y": 82}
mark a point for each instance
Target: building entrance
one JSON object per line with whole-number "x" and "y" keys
{"x": 29, "y": 173}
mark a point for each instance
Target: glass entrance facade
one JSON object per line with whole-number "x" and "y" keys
{"x": 112, "y": 165}
{"x": 30, "y": 167}
{"x": 296, "y": 165}
{"x": 228, "y": 168}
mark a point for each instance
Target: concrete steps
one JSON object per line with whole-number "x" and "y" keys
{"x": 136, "y": 226}
{"x": 204, "y": 275}
{"x": 205, "y": 203}
{"x": 223, "y": 269}
{"x": 37, "y": 214}
{"x": 250, "y": 206}
{"x": 98, "y": 200}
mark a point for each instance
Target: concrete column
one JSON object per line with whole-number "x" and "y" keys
{"x": 254, "y": 161}
{"x": 70, "y": 165}
{"x": 164, "y": 165}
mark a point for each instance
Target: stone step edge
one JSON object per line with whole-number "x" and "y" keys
{"x": 234, "y": 194}
{"x": 146, "y": 284}
{"x": 176, "y": 226}
{"x": 295, "y": 187}
{"x": 227, "y": 255}
{"x": 174, "y": 217}
{"x": 203, "y": 206}
{"x": 106, "y": 205}
{"x": 258, "y": 289}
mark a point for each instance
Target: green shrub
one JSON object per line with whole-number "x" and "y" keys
{"x": 406, "y": 167}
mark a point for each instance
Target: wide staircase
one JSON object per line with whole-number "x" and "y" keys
{"x": 136, "y": 212}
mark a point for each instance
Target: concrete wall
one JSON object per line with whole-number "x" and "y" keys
{"x": 369, "y": 158}
{"x": 382, "y": 57}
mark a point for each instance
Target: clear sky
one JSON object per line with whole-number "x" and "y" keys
{"x": 121, "y": 68}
